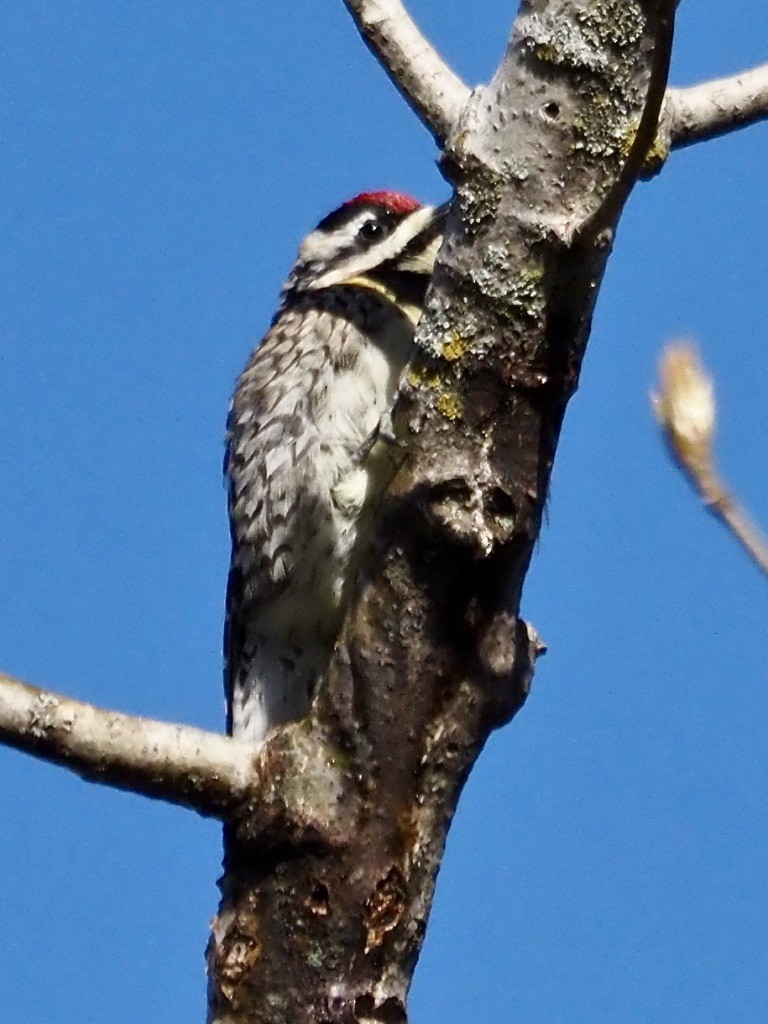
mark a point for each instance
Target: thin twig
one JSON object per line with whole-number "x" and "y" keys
{"x": 685, "y": 409}
{"x": 715, "y": 108}
{"x": 724, "y": 507}
{"x": 205, "y": 771}
{"x": 429, "y": 86}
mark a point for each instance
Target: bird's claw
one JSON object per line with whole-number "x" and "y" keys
{"x": 384, "y": 432}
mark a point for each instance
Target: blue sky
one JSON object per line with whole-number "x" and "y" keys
{"x": 160, "y": 163}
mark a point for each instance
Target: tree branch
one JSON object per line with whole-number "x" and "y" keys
{"x": 428, "y": 85}
{"x": 204, "y": 771}
{"x": 715, "y": 108}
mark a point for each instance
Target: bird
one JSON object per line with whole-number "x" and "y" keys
{"x": 309, "y": 449}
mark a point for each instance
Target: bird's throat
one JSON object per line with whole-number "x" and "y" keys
{"x": 406, "y": 290}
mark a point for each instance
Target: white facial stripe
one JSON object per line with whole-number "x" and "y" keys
{"x": 385, "y": 250}
{"x": 320, "y": 246}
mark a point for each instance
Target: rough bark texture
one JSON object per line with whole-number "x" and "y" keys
{"x": 329, "y": 876}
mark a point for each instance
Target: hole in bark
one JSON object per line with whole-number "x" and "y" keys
{"x": 364, "y": 1006}
{"x": 451, "y": 490}
{"x": 551, "y": 111}
{"x": 390, "y": 1012}
{"x": 319, "y": 900}
{"x": 501, "y": 503}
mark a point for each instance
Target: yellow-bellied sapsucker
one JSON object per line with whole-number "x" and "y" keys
{"x": 307, "y": 452}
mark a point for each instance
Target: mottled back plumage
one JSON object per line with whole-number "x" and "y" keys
{"x": 304, "y": 460}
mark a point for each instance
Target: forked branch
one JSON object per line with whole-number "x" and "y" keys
{"x": 201, "y": 770}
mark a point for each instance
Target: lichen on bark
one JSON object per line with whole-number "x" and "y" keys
{"x": 434, "y": 656}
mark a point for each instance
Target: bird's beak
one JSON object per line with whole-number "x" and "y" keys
{"x": 412, "y": 246}
{"x": 418, "y": 257}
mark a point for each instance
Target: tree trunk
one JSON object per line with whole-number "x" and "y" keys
{"x": 330, "y": 867}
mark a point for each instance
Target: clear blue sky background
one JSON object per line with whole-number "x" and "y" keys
{"x": 159, "y": 163}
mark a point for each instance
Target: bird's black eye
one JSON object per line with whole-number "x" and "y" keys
{"x": 369, "y": 230}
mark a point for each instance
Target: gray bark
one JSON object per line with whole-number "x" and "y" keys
{"x": 335, "y": 829}
{"x": 330, "y": 867}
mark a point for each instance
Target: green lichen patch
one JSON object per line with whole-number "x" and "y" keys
{"x": 617, "y": 22}
{"x": 479, "y": 201}
{"x": 449, "y": 405}
{"x": 556, "y": 41}
{"x": 421, "y": 375}
{"x": 512, "y": 294}
{"x": 454, "y": 347}
{"x": 601, "y": 131}
{"x": 656, "y": 156}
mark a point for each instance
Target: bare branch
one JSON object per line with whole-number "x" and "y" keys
{"x": 207, "y": 772}
{"x": 715, "y": 108}
{"x": 428, "y": 85}
{"x": 685, "y": 409}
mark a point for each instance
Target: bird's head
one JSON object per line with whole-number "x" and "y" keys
{"x": 378, "y": 240}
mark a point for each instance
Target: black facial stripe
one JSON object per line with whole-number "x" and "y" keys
{"x": 416, "y": 245}
{"x": 421, "y": 241}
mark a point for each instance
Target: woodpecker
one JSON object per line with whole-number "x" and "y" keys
{"x": 309, "y": 449}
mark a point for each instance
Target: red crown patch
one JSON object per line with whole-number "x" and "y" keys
{"x": 397, "y": 202}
